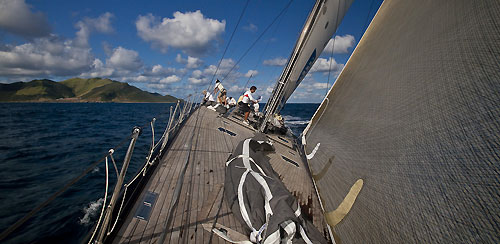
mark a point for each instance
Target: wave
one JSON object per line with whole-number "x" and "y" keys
{"x": 91, "y": 211}
{"x": 298, "y": 122}
{"x": 290, "y": 117}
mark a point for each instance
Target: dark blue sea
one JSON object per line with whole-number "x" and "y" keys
{"x": 45, "y": 145}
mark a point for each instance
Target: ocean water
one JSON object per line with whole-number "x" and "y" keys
{"x": 297, "y": 115}
{"x": 45, "y": 145}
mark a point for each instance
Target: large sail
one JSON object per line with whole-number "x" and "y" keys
{"x": 318, "y": 29}
{"x": 415, "y": 117}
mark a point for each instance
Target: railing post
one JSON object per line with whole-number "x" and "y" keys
{"x": 153, "y": 139}
{"x": 116, "y": 192}
{"x": 167, "y": 130}
{"x": 181, "y": 115}
{"x": 173, "y": 118}
{"x": 188, "y": 109}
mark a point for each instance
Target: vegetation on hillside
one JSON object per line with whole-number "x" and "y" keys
{"x": 78, "y": 90}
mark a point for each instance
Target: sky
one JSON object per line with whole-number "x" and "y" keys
{"x": 171, "y": 47}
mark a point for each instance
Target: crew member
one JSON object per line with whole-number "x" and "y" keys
{"x": 218, "y": 87}
{"x": 245, "y": 103}
{"x": 208, "y": 99}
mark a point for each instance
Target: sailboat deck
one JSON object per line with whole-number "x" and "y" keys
{"x": 202, "y": 187}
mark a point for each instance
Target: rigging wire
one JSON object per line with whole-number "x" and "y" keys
{"x": 258, "y": 38}
{"x": 367, "y": 18}
{"x": 230, "y": 39}
{"x": 263, "y": 52}
{"x": 333, "y": 48}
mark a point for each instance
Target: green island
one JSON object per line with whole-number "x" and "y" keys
{"x": 78, "y": 90}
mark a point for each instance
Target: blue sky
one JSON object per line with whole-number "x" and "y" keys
{"x": 169, "y": 47}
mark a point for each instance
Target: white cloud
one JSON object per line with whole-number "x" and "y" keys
{"x": 98, "y": 70}
{"x": 141, "y": 78}
{"x": 225, "y": 66}
{"x": 125, "y": 59}
{"x": 275, "y": 62}
{"x": 250, "y": 27}
{"x": 87, "y": 25}
{"x": 190, "y": 32}
{"x": 311, "y": 85}
{"x": 198, "y": 81}
{"x": 323, "y": 65}
{"x": 56, "y": 56}
{"x": 310, "y": 91}
{"x": 157, "y": 86}
{"x": 197, "y": 74}
{"x": 193, "y": 63}
{"x": 190, "y": 62}
{"x": 252, "y": 73}
{"x": 341, "y": 44}
{"x": 235, "y": 89}
{"x": 45, "y": 56}
{"x": 319, "y": 85}
{"x": 17, "y": 18}
{"x": 159, "y": 70}
{"x": 170, "y": 79}
{"x": 202, "y": 77}
{"x": 121, "y": 63}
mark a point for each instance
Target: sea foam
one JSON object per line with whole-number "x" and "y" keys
{"x": 91, "y": 211}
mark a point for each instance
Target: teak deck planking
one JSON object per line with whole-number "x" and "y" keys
{"x": 203, "y": 183}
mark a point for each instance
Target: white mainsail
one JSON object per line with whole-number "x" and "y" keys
{"x": 415, "y": 117}
{"x": 319, "y": 28}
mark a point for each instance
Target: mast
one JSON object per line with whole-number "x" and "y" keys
{"x": 320, "y": 25}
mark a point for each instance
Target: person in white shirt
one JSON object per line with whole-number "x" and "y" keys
{"x": 218, "y": 87}
{"x": 221, "y": 101}
{"x": 256, "y": 105}
{"x": 208, "y": 99}
{"x": 246, "y": 101}
{"x": 231, "y": 101}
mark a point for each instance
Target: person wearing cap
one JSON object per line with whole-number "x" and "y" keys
{"x": 244, "y": 105}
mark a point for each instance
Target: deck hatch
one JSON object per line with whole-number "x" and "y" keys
{"x": 283, "y": 139}
{"x": 227, "y": 131}
{"x": 144, "y": 211}
{"x": 290, "y": 161}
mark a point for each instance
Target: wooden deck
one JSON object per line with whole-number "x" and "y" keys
{"x": 203, "y": 183}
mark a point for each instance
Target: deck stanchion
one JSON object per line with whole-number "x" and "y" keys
{"x": 167, "y": 131}
{"x": 119, "y": 183}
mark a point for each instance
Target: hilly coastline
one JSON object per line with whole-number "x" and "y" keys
{"x": 78, "y": 90}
